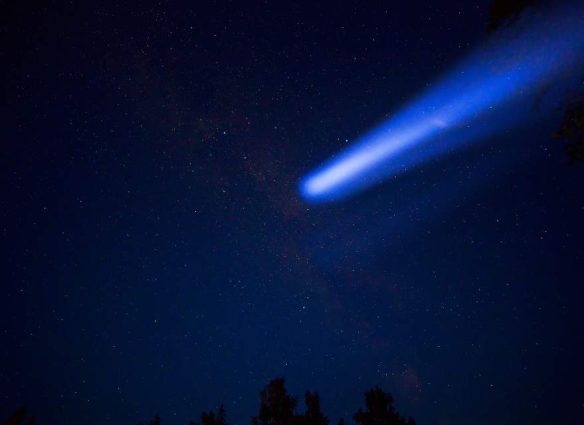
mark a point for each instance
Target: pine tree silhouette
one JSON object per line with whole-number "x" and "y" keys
{"x": 277, "y": 407}
{"x": 379, "y": 410}
{"x": 504, "y": 12}
{"x": 212, "y": 418}
{"x": 313, "y": 415}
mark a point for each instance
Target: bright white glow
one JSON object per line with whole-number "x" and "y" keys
{"x": 368, "y": 156}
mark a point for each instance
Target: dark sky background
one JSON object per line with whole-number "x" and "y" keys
{"x": 158, "y": 259}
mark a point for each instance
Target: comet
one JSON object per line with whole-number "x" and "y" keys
{"x": 473, "y": 101}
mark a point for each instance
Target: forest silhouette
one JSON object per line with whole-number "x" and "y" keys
{"x": 278, "y": 407}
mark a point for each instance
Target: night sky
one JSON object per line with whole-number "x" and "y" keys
{"x": 157, "y": 257}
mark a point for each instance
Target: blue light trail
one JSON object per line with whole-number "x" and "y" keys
{"x": 514, "y": 67}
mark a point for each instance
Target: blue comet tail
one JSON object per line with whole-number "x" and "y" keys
{"x": 453, "y": 112}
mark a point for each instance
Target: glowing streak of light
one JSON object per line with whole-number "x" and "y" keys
{"x": 487, "y": 81}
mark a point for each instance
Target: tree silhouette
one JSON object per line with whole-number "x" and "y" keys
{"x": 313, "y": 415}
{"x": 277, "y": 407}
{"x": 505, "y": 12}
{"x": 212, "y": 418}
{"x": 379, "y": 410}
{"x": 571, "y": 132}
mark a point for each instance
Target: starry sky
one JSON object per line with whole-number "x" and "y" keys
{"x": 157, "y": 257}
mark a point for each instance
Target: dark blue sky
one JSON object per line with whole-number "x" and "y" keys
{"x": 157, "y": 257}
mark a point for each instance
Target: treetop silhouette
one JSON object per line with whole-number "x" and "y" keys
{"x": 380, "y": 410}
{"x": 277, "y": 407}
{"x": 212, "y": 418}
